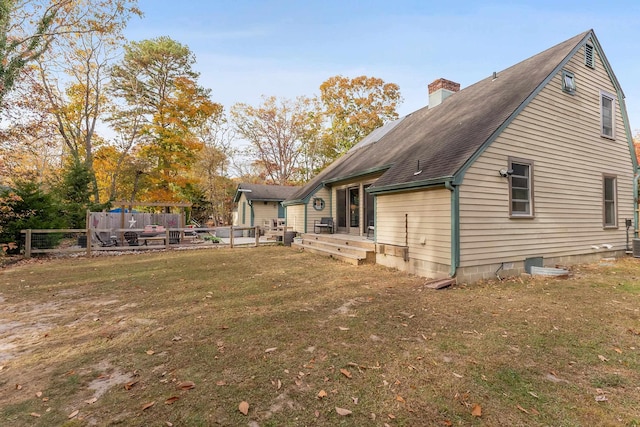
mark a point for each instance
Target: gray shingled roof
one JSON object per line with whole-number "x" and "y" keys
{"x": 267, "y": 193}
{"x": 444, "y": 138}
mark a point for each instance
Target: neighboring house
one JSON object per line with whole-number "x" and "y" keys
{"x": 534, "y": 163}
{"x": 257, "y": 203}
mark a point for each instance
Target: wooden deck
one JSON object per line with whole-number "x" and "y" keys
{"x": 355, "y": 250}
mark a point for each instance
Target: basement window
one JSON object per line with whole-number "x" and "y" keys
{"x": 568, "y": 82}
{"x": 589, "y": 59}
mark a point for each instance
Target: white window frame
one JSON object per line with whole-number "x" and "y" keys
{"x": 568, "y": 82}
{"x": 612, "y": 98}
{"x": 606, "y": 202}
{"x": 530, "y": 213}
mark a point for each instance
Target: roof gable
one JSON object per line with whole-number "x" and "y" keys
{"x": 434, "y": 145}
{"x": 263, "y": 192}
{"x": 446, "y": 138}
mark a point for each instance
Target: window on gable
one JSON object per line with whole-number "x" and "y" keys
{"x": 568, "y": 82}
{"x": 607, "y": 115}
{"x": 589, "y": 59}
{"x": 609, "y": 201}
{"x": 521, "y": 188}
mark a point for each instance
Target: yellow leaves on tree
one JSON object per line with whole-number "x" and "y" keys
{"x": 355, "y": 107}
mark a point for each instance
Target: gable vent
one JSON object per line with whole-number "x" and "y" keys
{"x": 588, "y": 56}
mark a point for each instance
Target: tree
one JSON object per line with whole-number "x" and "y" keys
{"x": 354, "y": 108}
{"x": 32, "y": 207}
{"x": 212, "y": 171}
{"x": 276, "y": 131}
{"x": 80, "y": 60}
{"x": 28, "y": 28}
{"x": 157, "y": 85}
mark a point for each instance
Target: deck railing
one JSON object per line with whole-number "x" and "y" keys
{"x": 70, "y": 240}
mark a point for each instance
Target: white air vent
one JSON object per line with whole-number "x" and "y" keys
{"x": 636, "y": 248}
{"x": 588, "y": 56}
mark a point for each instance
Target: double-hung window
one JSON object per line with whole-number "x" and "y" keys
{"x": 609, "y": 201}
{"x": 521, "y": 188}
{"x": 607, "y": 115}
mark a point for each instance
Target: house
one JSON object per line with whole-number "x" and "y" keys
{"x": 534, "y": 165}
{"x": 258, "y": 204}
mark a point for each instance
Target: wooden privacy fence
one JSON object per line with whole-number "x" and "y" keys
{"x": 113, "y": 220}
{"x": 70, "y": 240}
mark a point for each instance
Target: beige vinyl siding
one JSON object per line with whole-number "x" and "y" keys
{"x": 262, "y": 212}
{"x": 243, "y": 204}
{"x": 560, "y": 133}
{"x": 295, "y": 217}
{"x": 314, "y": 215}
{"x": 428, "y": 223}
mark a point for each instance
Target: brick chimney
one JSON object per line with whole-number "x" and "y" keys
{"x": 440, "y": 90}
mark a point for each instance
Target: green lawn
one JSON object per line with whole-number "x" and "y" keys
{"x": 295, "y": 336}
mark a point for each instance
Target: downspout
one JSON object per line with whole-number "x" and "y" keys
{"x": 635, "y": 204}
{"x": 455, "y": 226}
{"x": 251, "y": 213}
{"x": 305, "y": 216}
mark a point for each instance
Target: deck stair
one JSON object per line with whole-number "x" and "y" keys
{"x": 352, "y": 249}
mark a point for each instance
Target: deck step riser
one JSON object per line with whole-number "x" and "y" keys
{"x": 350, "y": 259}
{"x": 339, "y": 240}
{"x": 337, "y": 248}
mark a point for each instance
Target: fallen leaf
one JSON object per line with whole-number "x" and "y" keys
{"x": 345, "y": 373}
{"x": 446, "y": 423}
{"x": 522, "y": 409}
{"x": 391, "y": 416}
{"x": 90, "y": 401}
{"x": 271, "y": 350}
{"x": 170, "y": 400}
{"x": 73, "y": 414}
{"x": 129, "y": 385}
{"x": 148, "y": 405}
{"x": 322, "y": 394}
{"x": 355, "y": 400}
{"x": 168, "y": 423}
{"x": 400, "y": 399}
{"x": 243, "y": 407}
{"x": 150, "y": 352}
{"x": 186, "y": 385}
{"x": 342, "y": 328}
{"x": 35, "y": 414}
{"x": 534, "y": 395}
{"x": 38, "y": 394}
{"x": 617, "y": 350}
{"x": 602, "y": 358}
{"x": 18, "y": 387}
{"x": 476, "y": 411}
{"x": 221, "y": 383}
{"x": 279, "y": 385}
{"x": 457, "y": 375}
{"x": 317, "y": 413}
{"x": 601, "y": 398}
{"x": 343, "y": 412}
{"x": 534, "y": 411}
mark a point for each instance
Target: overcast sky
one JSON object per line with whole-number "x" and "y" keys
{"x": 246, "y": 49}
